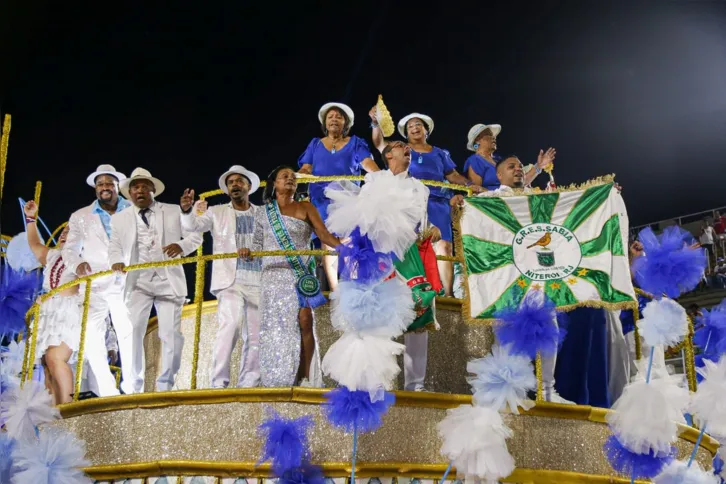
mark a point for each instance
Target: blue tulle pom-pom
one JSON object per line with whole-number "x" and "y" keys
{"x": 360, "y": 262}
{"x": 6, "y": 459}
{"x": 17, "y": 293}
{"x": 502, "y": 379}
{"x": 530, "y": 328}
{"x": 711, "y": 333}
{"x": 351, "y": 410}
{"x": 19, "y": 255}
{"x": 304, "y": 474}
{"x": 669, "y": 266}
{"x": 385, "y": 308}
{"x": 286, "y": 442}
{"x": 639, "y": 466}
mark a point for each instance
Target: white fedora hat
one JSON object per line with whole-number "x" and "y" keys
{"x": 426, "y": 119}
{"x": 344, "y": 107}
{"x": 239, "y": 170}
{"x": 104, "y": 170}
{"x": 141, "y": 174}
{"x": 477, "y": 129}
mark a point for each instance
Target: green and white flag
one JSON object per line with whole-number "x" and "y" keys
{"x": 571, "y": 244}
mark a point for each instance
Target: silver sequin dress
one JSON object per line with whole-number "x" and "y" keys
{"x": 279, "y": 306}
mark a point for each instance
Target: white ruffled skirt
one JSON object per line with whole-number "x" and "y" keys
{"x": 60, "y": 322}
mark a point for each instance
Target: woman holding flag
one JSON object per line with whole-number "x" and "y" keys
{"x": 288, "y": 347}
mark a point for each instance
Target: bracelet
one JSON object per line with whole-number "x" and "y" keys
{"x": 374, "y": 124}
{"x": 29, "y": 220}
{"x": 469, "y": 183}
{"x": 537, "y": 170}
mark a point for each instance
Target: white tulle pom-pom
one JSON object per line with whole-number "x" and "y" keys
{"x": 502, "y": 379}
{"x": 706, "y": 403}
{"x": 678, "y": 472}
{"x": 12, "y": 359}
{"x": 365, "y": 363}
{"x": 646, "y": 416}
{"x": 387, "y": 209}
{"x": 664, "y": 323}
{"x": 24, "y": 409}
{"x": 56, "y": 458}
{"x": 475, "y": 441}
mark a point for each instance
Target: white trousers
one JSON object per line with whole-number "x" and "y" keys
{"x": 147, "y": 291}
{"x": 238, "y": 315}
{"x": 658, "y": 356}
{"x": 100, "y": 379}
{"x": 414, "y": 360}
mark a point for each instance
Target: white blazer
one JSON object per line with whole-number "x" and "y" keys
{"x": 123, "y": 247}
{"x": 87, "y": 241}
{"x": 221, "y": 220}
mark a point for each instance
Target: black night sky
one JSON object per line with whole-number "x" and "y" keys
{"x": 632, "y": 88}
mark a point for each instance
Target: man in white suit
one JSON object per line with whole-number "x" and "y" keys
{"x": 235, "y": 282}
{"x": 86, "y": 252}
{"x": 151, "y": 231}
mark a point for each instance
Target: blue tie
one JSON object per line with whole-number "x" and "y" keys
{"x": 143, "y": 213}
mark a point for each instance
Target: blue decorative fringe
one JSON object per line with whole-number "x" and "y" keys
{"x": 711, "y": 333}
{"x": 638, "y": 466}
{"x": 303, "y": 474}
{"x": 530, "y": 328}
{"x": 354, "y": 409}
{"x": 286, "y": 441}
{"x": 360, "y": 262}
{"x": 669, "y": 265}
{"x": 17, "y": 293}
{"x": 311, "y": 302}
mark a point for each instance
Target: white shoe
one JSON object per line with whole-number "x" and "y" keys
{"x": 553, "y": 397}
{"x": 306, "y": 383}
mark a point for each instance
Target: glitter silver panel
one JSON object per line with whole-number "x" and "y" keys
{"x": 227, "y": 432}
{"x": 449, "y": 349}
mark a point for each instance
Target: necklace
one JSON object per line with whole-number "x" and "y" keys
{"x": 56, "y": 272}
{"x": 335, "y": 142}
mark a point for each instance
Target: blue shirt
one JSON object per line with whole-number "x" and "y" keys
{"x": 244, "y": 237}
{"x": 346, "y": 161}
{"x": 434, "y": 165}
{"x": 484, "y": 169}
{"x": 105, "y": 216}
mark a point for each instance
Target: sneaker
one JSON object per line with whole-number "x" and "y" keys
{"x": 554, "y": 397}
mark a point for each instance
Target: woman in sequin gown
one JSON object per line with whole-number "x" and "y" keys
{"x": 288, "y": 347}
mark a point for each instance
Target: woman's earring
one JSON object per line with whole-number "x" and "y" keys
{"x": 476, "y": 146}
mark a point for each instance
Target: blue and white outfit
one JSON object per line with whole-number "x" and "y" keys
{"x": 236, "y": 284}
{"x": 435, "y": 165}
{"x": 346, "y": 161}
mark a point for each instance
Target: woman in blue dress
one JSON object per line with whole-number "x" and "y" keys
{"x": 431, "y": 163}
{"x": 480, "y": 167}
{"x": 336, "y": 154}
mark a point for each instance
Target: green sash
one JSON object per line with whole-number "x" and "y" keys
{"x": 308, "y": 286}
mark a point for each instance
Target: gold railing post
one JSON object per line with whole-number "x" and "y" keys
{"x": 690, "y": 358}
{"x": 198, "y": 300}
{"x": 33, "y": 341}
{"x": 82, "y": 342}
{"x": 26, "y": 352}
{"x": 4, "y": 141}
{"x": 538, "y": 372}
